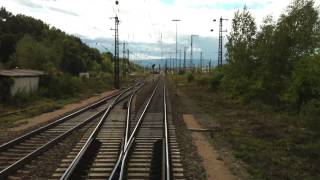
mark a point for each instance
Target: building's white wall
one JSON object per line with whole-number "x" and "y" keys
{"x": 24, "y": 84}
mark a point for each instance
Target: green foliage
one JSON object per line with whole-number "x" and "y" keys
{"x": 67, "y": 85}
{"x": 311, "y": 110}
{"x": 241, "y": 42}
{"x": 305, "y": 82}
{"x": 30, "y": 43}
{"x": 107, "y": 65}
{"x": 203, "y": 80}
{"x": 31, "y": 54}
{"x": 5, "y": 85}
{"x": 60, "y": 86}
{"x": 190, "y": 77}
{"x": 278, "y": 64}
{"x": 21, "y": 98}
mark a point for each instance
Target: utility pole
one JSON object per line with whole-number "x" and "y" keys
{"x": 124, "y": 60}
{"x": 166, "y": 67}
{"x": 180, "y": 65}
{"x": 128, "y": 60}
{"x": 184, "y": 58}
{"x": 176, "y": 20}
{"x": 201, "y": 61}
{"x": 191, "y": 51}
{"x": 220, "y": 49}
{"x": 116, "y": 53}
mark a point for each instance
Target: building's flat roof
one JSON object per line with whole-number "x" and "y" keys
{"x": 20, "y": 73}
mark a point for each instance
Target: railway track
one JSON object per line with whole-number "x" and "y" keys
{"x": 18, "y": 152}
{"x": 123, "y": 146}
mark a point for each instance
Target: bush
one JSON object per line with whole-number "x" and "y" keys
{"x": 203, "y": 80}
{"x": 305, "y": 84}
{"x": 67, "y": 85}
{"x": 190, "y": 77}
{"x": 61, "y": 86}
{"x": 217, "y": 76}
{"x": 22, "y": 97}
{"x": 312, "y": 112}
{"x": 5, "y": 86}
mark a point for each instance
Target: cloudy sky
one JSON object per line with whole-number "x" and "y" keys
{"x": 144, "y": 23}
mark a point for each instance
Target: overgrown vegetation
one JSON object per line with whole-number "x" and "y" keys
{"x": 274, "y": 69}
{"x": 28, "y": 43}
{"x": 273, "y": 145}
{"x": 277, "y": 65}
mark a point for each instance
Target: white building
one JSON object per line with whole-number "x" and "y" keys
{"x": 25, "y": 80}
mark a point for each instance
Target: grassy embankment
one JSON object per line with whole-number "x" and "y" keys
{"x": 274, "y": 145}
{"x": 25, "y": 106}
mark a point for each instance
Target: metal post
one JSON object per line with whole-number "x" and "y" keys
{"x": 201, "y": 61}
{"x": 220, "y": 44}
{"x": 191, "y": 51}
{"x": 220, "y": 49}
{"x": 116, "y": 54}
{"x": 176, "y": 20}
{"x": 123, "y": 64}
{"x": 166, "y": 67}
{"x": 128, "y": 60}
{"x": 180, "y": 65}
{"x": 176, "y": 43}
{"x": 184, "y": 58}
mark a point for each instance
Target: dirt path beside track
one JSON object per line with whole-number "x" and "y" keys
{"x": 25, "y": 124}
{"x": 216, "y": 169}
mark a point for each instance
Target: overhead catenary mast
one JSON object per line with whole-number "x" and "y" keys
{"x": 191, "y": 51}
{"x": 116, "y": 53}
{"x": 220, "y": 48}
{"x": 116, "y": 50}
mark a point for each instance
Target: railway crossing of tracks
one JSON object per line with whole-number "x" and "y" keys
{"x": 118, "y": 141}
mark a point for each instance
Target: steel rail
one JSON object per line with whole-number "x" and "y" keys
{"x": 55, "y": 123}
{"x": 16, "y": 165}
{"x": 128, "y": 117}
{"x": 168, "y": 174}
{"x": 117, "y": 168}
{"x": 91, "y": 138}
{"x": 133, "y": 134}
{"x": 126, "y": 136}
{"x": 124, "y": 160}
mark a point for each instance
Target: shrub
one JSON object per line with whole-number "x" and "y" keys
{"x": 217, "y": 76}
{"x": 22, "y": 97}
{"x": 311, "y": 110}
{"x": 61, "y": 86}
{"x": 203, "y": 80}
{"x": 5, "y": 86}
{"x": 190, "y": 77}
{"x": 305, "y": 84}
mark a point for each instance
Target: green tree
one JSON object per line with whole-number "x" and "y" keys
{"x": 72, "y": 61}
{"x": 107, "y": 65}
{"x": 32, "y": 54}
{"x": 241, "y": 42}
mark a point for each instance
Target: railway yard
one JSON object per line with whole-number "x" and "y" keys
{"x": 128, "y": 135}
